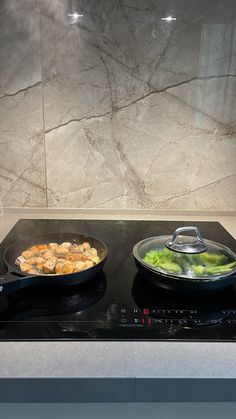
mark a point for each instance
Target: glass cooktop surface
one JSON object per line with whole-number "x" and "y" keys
{"x": 118, "y": 304}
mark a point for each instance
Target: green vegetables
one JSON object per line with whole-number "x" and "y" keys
{"x": 180, "y": 263}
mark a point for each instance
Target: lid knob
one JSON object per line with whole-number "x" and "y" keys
{"x": 184, "y": 244}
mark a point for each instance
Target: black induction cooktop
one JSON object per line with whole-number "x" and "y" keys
{"x": 118, "y": 304}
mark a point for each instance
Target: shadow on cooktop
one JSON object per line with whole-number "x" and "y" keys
{"x": 146, "y": 295}
{"x": 38, "y": 301}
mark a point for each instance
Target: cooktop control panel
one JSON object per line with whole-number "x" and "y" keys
{"x": 132, "y": 317}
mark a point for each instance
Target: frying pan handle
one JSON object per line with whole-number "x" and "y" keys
{"x": 10, "y": 283}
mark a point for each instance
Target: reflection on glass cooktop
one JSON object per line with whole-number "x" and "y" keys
{"x": 118, "y": 304}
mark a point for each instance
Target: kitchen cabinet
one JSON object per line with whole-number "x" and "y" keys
{"x": 121, "y": 410}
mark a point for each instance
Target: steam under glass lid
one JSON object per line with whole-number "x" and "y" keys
{"x": 186, "y": 256}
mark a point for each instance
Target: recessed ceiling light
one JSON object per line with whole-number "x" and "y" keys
{"x": 75, "y": 15}
{"x": 168, "y": 18}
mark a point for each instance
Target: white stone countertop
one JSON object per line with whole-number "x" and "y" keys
{"x": 141, "y": 363}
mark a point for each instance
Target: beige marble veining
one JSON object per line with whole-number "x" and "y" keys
{"x": 162, "y": 134}
{"x": 22, "y": 175}
{"x": 22, "y": 165}
{"x": 20, "y": 65}
{"x": 136, "y": 112}
{"x": 85, "y": 169}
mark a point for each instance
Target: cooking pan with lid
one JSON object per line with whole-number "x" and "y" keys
{"x": 185, "y": 263}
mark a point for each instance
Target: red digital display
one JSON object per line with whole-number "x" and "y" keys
{"x": 145, "y": 311}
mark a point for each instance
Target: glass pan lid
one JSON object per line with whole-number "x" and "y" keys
{"x": 215, "y": 262}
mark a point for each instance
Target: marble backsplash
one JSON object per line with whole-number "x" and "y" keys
{"x": 115, "y": 107}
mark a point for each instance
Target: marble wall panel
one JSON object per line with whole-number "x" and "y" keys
{"x": 22, "y": 159}
{"x": 140, "y": 112}
{"x": 84, "y": 165}
{"x": 136, "y": 111}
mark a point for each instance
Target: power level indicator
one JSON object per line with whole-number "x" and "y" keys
{"x": 146, "y": 311}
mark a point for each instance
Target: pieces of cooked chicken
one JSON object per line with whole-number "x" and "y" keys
{"x": 27, "y": 254}
{"x": 86, "y": 245}
{"x": 39, "y": 248}
{"x": 59, "y": 259}
{"x": 67, "y": 244}
{"x": 61, "y": 251}
{"x": 52, "y": 246}
{"x": 25, "y": 267}
{"x": 88, "y": 264}
{"x": 20, "y": 260}
{"x": 94, "y": 251}
{"x": 31, "y": 261}
{"x": 79, "y": 266}
{"x": 88, "y": 254}
{"x": 66, "y": 268}
{"x": 76, "y": 256}
{"x": 58, "y": 267}
{"x": 49, "y": 265}
{"x": 95, "y": 260}
{"x": 77, "y": 249}
{"x": 48, "y": 255}
{"x": 39, "y": 262}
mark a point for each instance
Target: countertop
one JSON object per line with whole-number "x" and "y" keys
{"x": 116, "y": 371}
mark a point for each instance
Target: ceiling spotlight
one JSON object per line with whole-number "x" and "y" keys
{"x": 75, "y": 15}
{"x": 168, "y": 18}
